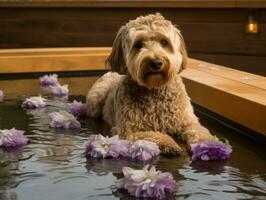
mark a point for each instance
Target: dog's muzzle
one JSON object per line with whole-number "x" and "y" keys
{"x": 155, "y": 64}
{"x": 154, "y": 72}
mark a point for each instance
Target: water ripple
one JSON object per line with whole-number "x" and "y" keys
{"x": 52, "y": 166}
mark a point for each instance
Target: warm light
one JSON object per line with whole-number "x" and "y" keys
{"x": 252, "y": 25}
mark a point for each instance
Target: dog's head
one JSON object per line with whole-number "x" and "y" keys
{"x": 151, "y": 49}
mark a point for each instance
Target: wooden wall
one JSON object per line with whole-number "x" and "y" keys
{"x": 214, "y": 34}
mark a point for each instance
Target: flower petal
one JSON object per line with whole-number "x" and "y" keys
{"x": 210, "y": 150}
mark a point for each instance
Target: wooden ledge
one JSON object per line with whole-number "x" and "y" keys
{"x": 52, "y": 59}
{"x": 239, "y": 102}
{"x": 137, "y": 3}
{"x": 236, "y": 95}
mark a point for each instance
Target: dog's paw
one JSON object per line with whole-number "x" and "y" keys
{"x": 199, "y": 137}
{"x": 170, "y": 149}
{"x": 166, "y": 143}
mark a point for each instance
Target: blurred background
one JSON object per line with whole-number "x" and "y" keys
{"x": 226, "y": 32}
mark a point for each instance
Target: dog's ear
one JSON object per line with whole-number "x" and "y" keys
{"x": 116, "y": 60}
{"x": 183, "y": 51}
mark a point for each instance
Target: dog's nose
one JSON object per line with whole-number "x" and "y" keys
{"x": 156, "y": 64}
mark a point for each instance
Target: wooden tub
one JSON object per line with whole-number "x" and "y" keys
{"x": 225, "y": 94}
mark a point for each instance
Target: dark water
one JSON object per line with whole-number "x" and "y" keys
{"x": 52, "y": 166}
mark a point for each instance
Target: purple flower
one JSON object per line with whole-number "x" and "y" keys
{"x": 210, "y": 150}
{"x": 12, "y": 138}
{"x": 99, "y": 146}
{"x": 59, "y": 91}
{"x": 48, "y": 80}
{"x": 147, "y": 182}
{"x": 1, "y": 96}
{"x": 64, "y": 120}
{"x": 76, "y": 108}
{"x": 34, "y": 103}
{"x": 143, "y": 150}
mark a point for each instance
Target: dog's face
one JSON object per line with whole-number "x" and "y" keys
{"x": 151, "y": 49}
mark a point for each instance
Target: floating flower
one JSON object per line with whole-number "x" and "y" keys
{"x": 144, "y": 150}
{"x": 48, "y": 80}
{"x": 1, "y": 96}
{"x": 210, "y": 150}
{"x": 64, "y": 120}
{"x": 12, "y": 138}
{"x": 59, "y": 91}
{"x": 99, "y": 146}
{"x": 34, "y": 103}
{"x": 76, "y": 108}
{"x": 147, "y": 182}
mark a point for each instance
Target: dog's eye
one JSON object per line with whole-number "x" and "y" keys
{"x": 164, "y": 43}
{"x": 138, "y": 45}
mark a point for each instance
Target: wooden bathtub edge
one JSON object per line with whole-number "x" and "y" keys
{"x": 236, "y": 95}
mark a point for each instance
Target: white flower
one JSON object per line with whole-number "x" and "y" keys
{"x": 144, "y": 150}
{"x": 34, "y": 102}
{"x": 147, "y": 182}
{"x": 12, "y": 138}
{"x": 59, "y": 91}
{"x": 48, "y": 80}
{"x": 65, "y": 120}
{"x": 100, "y": 146}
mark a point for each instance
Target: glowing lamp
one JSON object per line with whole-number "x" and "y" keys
{"x": 252, "y": 23}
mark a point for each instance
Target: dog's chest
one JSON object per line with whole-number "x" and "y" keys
{"x": 157, "y": 110}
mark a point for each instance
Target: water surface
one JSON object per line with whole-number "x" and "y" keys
{"x": 52, "y": 166}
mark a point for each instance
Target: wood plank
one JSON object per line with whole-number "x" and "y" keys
{"x": 124, "y": 14}
{"x": 210, "y": 38}
{"x": 138, "y": 3}
{"x": 99, "y": 40}
{"x": 54, "y": 51}
{"x": 45, "y": 63}
{"x": 251, "y": 64}
{"x": 206, "y": 31}
{"x": 239, "y": 102}
{"x": 126, "y": 3}
{"x": 250, "y": 4}
{"x": 223, "y": 38}
{"x": 49, "y": 29}
{"x": 228, "y": 73}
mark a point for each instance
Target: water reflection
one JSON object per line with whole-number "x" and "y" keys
{"x": 10, "y": 171}
{"x": 52, "y": 166}
{"x": 122, "y": 195}
{"x": 224, "y": 183}
{"x": 8, "y": 195}
{"x": 9, "y": 162}
{"x": 212, "y": 167}
{"x": 105, "y": 166}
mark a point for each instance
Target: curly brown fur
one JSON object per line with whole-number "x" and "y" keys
{"x": 145, "y": 98}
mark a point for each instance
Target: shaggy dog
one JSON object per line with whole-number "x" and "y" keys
{"x": 144, "y": 97}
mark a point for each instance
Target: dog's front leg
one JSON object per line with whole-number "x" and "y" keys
{"x": 191, "y": 130}
{"x": 166, "y": 144}
{"x": 194, "y": 133}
